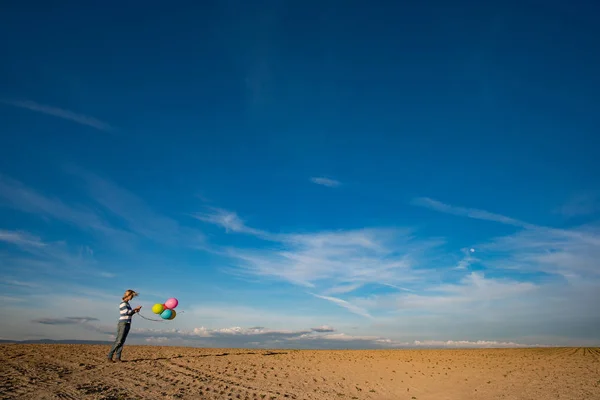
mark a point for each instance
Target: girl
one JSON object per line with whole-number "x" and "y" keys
{"x": 124, "y": 324}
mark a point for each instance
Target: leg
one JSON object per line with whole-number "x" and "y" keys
{"x": 123, "y": 338}
{"x": 118, "y": 340}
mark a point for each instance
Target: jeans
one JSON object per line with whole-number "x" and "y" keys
{"x": 122, "y": 332}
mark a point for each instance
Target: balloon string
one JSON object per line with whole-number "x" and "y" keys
{"x": 158, "y": 320}
{"x": 150, "y": 319}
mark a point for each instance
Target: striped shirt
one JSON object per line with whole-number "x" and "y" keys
{"x": 125, "y": 311}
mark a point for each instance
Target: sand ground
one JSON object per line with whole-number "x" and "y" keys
{"x": 81, "y": 372}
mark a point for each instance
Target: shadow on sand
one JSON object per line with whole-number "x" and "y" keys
{"x": 269, "y": 353}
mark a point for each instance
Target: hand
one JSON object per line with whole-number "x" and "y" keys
{"x": 137, "y": 309}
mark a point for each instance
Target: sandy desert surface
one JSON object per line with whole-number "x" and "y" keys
{"x": 81, "y": 372}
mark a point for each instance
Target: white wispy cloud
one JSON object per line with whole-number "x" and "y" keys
{"x": 397, "y": 287}
{"x": 472, "y": 293}
{"x": 343, "y": 288}
{"x": 340, "y": 262}
{"x": 21, "y": 239}
{"x": 558, "y": 272}
{"x": 19, "y": 283}
{"x": 345, "y": 304}
{"x": 472, "y": 290}
{"x": 467, "y": 260}
{"x": 325, "y": 182}
{"x": 555, "y": 243}
{"x": 540, "y": 247}
{"x": 329, "y": 262}
{"x": 468, "y": 212}
{"x": 332, "y": 260}
{"x": 543, "y": 250}
{"x": 61, "y": 113}
{"x": 230, "y": 221}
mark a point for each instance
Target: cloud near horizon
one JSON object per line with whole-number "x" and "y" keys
{"x": 260, "y": 337}
{"x": 65, "y": 321}
{"x": 302, "y": 339}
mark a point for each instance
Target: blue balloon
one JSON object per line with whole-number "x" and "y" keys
{"x": 166, "y": 314}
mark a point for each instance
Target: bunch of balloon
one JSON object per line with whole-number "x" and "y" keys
{"x": 166, "y": 310}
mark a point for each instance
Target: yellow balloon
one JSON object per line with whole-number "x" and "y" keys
{"x": 157, "y": 308}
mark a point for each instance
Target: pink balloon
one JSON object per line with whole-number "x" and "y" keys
{"x": 171, "y": 303}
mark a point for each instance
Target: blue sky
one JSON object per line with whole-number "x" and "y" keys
{"x": 302, "y": 174}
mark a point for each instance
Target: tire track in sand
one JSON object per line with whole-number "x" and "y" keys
{"x": 559, "y": 353}
{"x": 575, "y": 351}
{"x": 171, "y": 379}
{"x": 23, "y": 379}
{"x": 149, "y": 377}
{"x": 83, "y": 383}
{"x": 594, "y": 353}
{"x": 229, "y": 386}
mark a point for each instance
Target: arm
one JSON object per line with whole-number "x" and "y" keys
{"x": 126, "y": 310}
